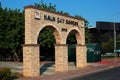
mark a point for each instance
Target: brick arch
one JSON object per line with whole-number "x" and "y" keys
{"x": 55, "y": 32}
{"x": 77, "y": 35}
{"x": 35, "y": 20}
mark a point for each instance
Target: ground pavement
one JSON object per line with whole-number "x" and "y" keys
{"x": 49, "y": 74}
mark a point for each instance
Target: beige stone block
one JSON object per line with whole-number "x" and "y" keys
{"x": 81, "y": 56}
{"x": 31, "y": 63}
{"x": 61, "y": 58}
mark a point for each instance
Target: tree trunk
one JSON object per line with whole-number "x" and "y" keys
{"x": 16, "y": 57}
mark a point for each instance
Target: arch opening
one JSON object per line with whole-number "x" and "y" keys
{"x": 72, "y": 40}
{"x": 47, "y": 37}
{"x": 77, "y": 38}
{"x": 54, "y": 31}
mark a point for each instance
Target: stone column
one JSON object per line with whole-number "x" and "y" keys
{"x": 31, "y": 63}
{"x": 81, "y": 56}
{"x": 61, "y": 57}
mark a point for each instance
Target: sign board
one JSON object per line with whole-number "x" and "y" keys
{"x": 37, "y": 14}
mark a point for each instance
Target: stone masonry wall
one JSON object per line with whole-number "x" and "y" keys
{"x": 81, "y": 56}
{"x": 31, "y": 63}
{"x": 33, "y": 26}
{"x": 61, "y": 58}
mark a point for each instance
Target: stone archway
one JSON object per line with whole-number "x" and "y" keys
{"x": 35, "y": 20}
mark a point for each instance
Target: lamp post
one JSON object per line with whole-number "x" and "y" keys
{"x": 114, "y": 26}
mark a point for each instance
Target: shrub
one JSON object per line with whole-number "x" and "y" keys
{"x": 5, "y": 73}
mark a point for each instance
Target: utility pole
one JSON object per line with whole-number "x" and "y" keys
{"x": 114, "y": 25}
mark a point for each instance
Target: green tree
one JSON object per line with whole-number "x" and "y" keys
{"x": 46, "y": 37}
{"x": 71, "y": 39}
{"x": 49, "y": 7}
{"x": 118, "y": 42}
{"x": 87, "y": 35}
{"x": 107, "y": 46}
{"x": 11, "y": 32}
{"x": 46, "y": 40}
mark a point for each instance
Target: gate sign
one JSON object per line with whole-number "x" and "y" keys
{"x": 37, "y": 14}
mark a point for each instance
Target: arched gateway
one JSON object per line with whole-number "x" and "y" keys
{"x": 35, "y": 20}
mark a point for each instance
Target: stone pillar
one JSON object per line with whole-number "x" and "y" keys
{"x": 31, "y": 63}
{"x": 81, "y": 56}
{"x": 61, "y": 57}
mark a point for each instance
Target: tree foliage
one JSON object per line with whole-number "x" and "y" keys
{"x": 49, "y": 7}
{"x": 71, "y": 39}
{"x": 87, "y": 35}
{"x": 118, "y": 42}
{"x": 11, "y": 31}
{"x": 46, "y": 37}
{"x": 107, "y": 46}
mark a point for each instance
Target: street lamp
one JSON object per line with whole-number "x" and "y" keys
{"x": 114, "y": 38}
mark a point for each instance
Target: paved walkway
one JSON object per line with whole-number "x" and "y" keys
{"x": 91, "y": 68}
{"x": 49, "y": 74}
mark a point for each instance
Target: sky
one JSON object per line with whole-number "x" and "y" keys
{"x": 91, "y": 10}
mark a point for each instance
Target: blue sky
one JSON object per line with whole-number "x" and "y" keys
{"x": 92, "y": 10}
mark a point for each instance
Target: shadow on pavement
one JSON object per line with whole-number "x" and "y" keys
{"x": 45, "y": 67}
